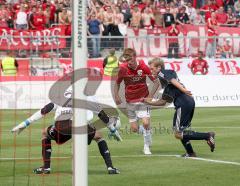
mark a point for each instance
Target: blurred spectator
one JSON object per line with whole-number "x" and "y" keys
{"x": 9, "y": 65}
{"x": 220, "y": 3}
{"x": 208, "y": 9}
{"x": 108, "y": 21}
{"x": 94, "y": 31}
{"x": 198, "y": 19}
{"x": 199, "y": 66}
{"x": 221, "y": 16}
{"x": 47, "y": 14}
{"x": 99, "y": 13}
{"x": 59, "y": 7}
{"x": 67, "y": 3}
{"x": 162, "y": 8}
{"x": 173, "y": 9}
{"x": 212, "y": 40}
{"x": 126, "y": 12}
{"x": 39, "y": 20}
{"x": 136, "y": 17}
{"x": 21, "y": 22}
{"x": 65, "y": 17}
{"x": 118, "y": 23}
{"x": 237, "y": 8}
{"x": 168, "y": 18}
{"x": 227, "y": 49}
{"x": 3, "y": 17}
{"x": 52, "y": 9}
{"x": 31, "y": 15}
{"x": 158, "y": 20}
{"x": 8, "y": 10}
{"x": 191, "y": 11}
{"x": 110, "y": 64}
{"x": 231, "y": 21}
{"x": 173, "y": 45}
{"x": 182, "y": 17}
{"x": 146, "y": 18}
{"x": 219, "y": 52}
{"x": 229, "y": 4}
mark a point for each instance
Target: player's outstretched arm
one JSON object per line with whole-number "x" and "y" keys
{"x": 180, "y": 87}
{"x": 36, "y": 116}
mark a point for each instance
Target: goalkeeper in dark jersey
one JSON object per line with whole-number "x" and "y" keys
{"x": 175, "y": 92}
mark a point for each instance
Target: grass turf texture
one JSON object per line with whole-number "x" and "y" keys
{"x": 127, "y": 155}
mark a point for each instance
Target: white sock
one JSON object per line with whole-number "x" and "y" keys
{"x": 147, "y": 136}
{"x": 141, "y": 129}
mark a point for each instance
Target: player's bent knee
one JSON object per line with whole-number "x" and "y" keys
{"x": 44, "y": 133}
{"x": 178, "y": 135}
{"x": 97, "y": 136}
{"x": 134, "y": 129}
{"x": 146, "y": 122}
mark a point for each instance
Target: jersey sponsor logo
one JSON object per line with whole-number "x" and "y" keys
{"x": 140, "y": 72}
{"x": 135, "y": 79}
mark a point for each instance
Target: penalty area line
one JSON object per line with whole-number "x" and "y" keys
{"x": 137, "y": 156}
{"x": 214, "y": 161}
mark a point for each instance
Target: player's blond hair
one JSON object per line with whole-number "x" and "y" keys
{"x": 129, "y": 52}
{"x": 157, "y": 62}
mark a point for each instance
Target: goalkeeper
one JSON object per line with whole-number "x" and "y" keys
{"x": 61, "y": 132}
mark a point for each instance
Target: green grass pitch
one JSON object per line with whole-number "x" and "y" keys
{"x": 136, "y": 169}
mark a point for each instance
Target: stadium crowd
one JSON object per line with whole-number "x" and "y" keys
{"x": 159, "y": 13}
{"x": 113, "y": 17}
{"x": 27, "y": 14}
{"x": 148, "y": 14}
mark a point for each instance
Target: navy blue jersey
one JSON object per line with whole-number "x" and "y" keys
{"x": 170, "y": 91}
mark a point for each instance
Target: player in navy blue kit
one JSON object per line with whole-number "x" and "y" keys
{"x": 175, "y": 92}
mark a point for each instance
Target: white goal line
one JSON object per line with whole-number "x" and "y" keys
{"x": 137, "y": 156}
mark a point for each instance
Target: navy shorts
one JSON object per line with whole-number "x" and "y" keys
{"x": 184, "y": 106}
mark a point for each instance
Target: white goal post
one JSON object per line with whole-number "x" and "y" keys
{"x": 79, "y": 50}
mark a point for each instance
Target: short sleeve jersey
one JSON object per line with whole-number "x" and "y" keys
{"x": 135, "y": 81}
{"x": 170, "y": 91}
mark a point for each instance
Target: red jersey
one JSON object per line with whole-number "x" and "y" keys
{"x": 199, "y": 66}
{"x": 227, "y": 48}
{"x": 135, "y": 81}
{"x": 209, "y": 9}
{"x": 211, "y": 31}
{"x": 39, "y": 21}
{"x": 173, "y": 35}
{"x": 222, "y": 18}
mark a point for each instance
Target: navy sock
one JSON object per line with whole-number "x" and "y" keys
{"x": 191, "y": 135}
{"x": 103, "y": 148}
{"x": 46, "y": 152}
{"x": 187, "y": 145}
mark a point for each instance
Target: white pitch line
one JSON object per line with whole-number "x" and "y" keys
{"x": 6, "y": 159}
{"x": 139, "y": 156}
{"x": 216, "y": 127}
{"x": 215, "y": 161}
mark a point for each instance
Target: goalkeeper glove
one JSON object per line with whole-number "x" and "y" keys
{"x": 19, "y": 128}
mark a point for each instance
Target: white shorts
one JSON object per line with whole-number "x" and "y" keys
{"x": 137, "y": 110}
